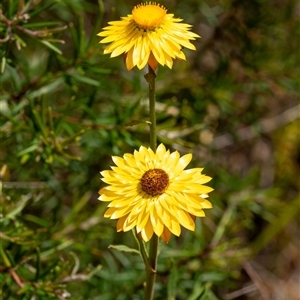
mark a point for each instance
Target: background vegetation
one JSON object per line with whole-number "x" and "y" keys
{"x": 66, "y": 108}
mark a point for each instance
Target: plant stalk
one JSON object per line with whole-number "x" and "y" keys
{"x": 150, "y": 77}
{"x": 153, "y": 250}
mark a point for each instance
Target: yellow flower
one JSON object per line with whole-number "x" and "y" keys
{"x": 148, "y": 35}
{"x": 152, "y": 192}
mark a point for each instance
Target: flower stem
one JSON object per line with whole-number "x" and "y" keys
{"x": 151, "y": 273}
{"x": 150, "y": 77}
{"x": 153, "y": 250}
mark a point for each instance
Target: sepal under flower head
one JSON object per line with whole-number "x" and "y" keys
{"x": 152, "y": 192}
{"x": 148, "y": 36}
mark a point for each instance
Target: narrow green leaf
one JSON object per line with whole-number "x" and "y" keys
{"x": 16, "y": 109}
{"x": 47, "y": 5}
{"x": 4, "y": 257}
{"x": 223, "y": 224}
{"x": 60, "y": 247}
{"x": 36, "y": 220}
{"x": 48, "y": 88}
{"x": 94, "y": 271}
{"x": 41, "y": 25}
{"x": 19, "y": 40}
{"x": 15, "y": 78}
{"x": 124, "y": 248}
{"x": 3, "y": 63}
{"x": 28, "y": 150}
{"x": 197, "y": 291}
{"x": 40, "y": 123}
{"x": 19, "y": 207}
{"x": 84, "y": 79}
{"x": 51, "y": 46}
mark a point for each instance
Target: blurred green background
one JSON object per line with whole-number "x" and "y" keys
{"x": 66, "y": 108}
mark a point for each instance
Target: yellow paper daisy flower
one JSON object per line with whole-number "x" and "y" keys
{"x": 152, "y": 192}
{"x": 148, "y": 35}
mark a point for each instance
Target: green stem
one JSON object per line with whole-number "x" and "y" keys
{"x": 150, "y": 77}
{"x": 151, "y": 272}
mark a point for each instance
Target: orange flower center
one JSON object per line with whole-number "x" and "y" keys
{"x": 154, "y": 182}
{"x": 148, "y": 16}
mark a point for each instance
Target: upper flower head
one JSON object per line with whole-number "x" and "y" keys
{"x": 152, "y": 192}
{"x": 148, "y": 35}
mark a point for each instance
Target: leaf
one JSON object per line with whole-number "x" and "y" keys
{"x": 47, "y": 5}
{"x": 60, "y": 247}
{"x": 51, "y": 46}
{"x": 84, "y": 79}
{"x": 36, "y": 220}
{"x": 19, "y": 41}
{"x": 13, "y": 76}
{"x": 41, "y": 24}
{"x": 28, "y": 150}
{"x": 19, "y": 207}
{"x": 197, "y": 292}
{"x": 124, "y": 248}
{"x": 48, "y": 88}
{"x": 3, "y": 63}
{"x": 40, "y": 123}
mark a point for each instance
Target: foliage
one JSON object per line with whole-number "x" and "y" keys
{"x": 66, "y": 108}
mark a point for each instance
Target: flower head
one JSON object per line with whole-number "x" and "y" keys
{"x": 152, "y": 192}
{"x": 148, "y": 35}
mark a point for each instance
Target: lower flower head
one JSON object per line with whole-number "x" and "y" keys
{"x": 152, "y": 192}
{"x": 148, "y": 36}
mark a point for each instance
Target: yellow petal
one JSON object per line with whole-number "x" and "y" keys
{"x": 156, "y": 222}
{"x": 186, "y": 220}
{"x": 120, "y": 223}
{"x": 160, "y": 151}
{"x": 129, "y": 224}
{"x": 129, "y": 60}
{"x": 175, "y": 226}
{"x": 147, "y": 232}
{"x": 142, "y": 220}
{"x": 181, "y": 164}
